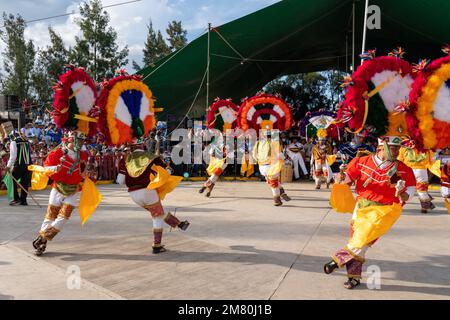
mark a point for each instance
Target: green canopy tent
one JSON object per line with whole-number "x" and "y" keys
{"x": 291, "y": 36}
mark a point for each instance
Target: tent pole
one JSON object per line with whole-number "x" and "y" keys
{"x": 346, "y": 52}
{"x": 353, "y": 37}
{"x": 208, "y": 61}
{"x": 365, "y": 29}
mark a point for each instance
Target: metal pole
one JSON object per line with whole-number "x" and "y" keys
{"x": 207, "y": 66}
{"x": 346, "y": 52}
{"x": 353, "y": 37}
{"x": 95, "y": 51}
{"x": 365, "y": 29}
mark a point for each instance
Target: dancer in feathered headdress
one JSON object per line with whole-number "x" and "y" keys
{"x": 265, "y": 113}
{"x": 320, "y": 167}
{"x": 223, "y": 116}
{"x": 383, "y": 185}
{"x": 127, "y": 116}
{"x": 419, "y": 162}
{"x": 66, "y": 165}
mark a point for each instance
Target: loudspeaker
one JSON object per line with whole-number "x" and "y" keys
{"x": 3, "y": 103}
{"x": 9, "y": 102}
{"x": 13, "y": 102}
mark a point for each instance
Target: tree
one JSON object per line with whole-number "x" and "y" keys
{"x": 155, "y": 47}
{"x": 309, "y": 91}
{"x": 97, "y": 50}
{"x": 177, "y": 35}
{"x": 18, "y": 56}
{"x": 49, "y": 65}
{"x": 136, "y": 66}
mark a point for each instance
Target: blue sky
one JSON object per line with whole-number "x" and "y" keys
{"x": 130, "y": 20}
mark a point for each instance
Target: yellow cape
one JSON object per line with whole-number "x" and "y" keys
{"x": 373, "y": 222}
{"x": 447, "y": 205}
{"x": 247, "y": 167}
{"x": 163, "y": 182}
{"x": 89, "y": 200}
{"x": 435, "y": 168}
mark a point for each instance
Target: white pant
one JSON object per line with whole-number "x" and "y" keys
{"x": 144, "y": 197}
{"x": 297, "y": 160}
{"x": 422, "y": 177}
{"x": 263, "y": 170}
{"x": 57, "y": 199}
{"x": 445, "y": 192}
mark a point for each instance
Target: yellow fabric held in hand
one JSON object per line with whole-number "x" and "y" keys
{"x": 435, "y": 168}
{"x": 163, "y": 182}
{"x": 447, "y": 205}
{"x": 331, "y": 159}
{"x": 372, "y": 222}
{"x": 89, "y": 200}
{"x": 214, "y": 164}
{"x": 341, "y": 198}
{"x": 39, "y": 177}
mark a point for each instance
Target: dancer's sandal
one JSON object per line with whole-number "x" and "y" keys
{"x": 330, "y": 267}
{"x": 351, "y": 283}
{"x": 160, "y": 249}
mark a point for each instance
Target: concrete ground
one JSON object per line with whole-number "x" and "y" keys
{"x": 238, "y": 247}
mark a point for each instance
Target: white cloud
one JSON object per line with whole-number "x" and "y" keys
{"x": 130, "y": 20}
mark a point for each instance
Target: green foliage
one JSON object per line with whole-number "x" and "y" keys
{"x": 136, "y": 66}
{"x": 155, "y": 47}
{"x": 309, "y": 91}
{"x": 177, "y": 35}
{"x": 97, "y": 49}
{"x": 18, "y": 57}
{"x": 49, "y": 65}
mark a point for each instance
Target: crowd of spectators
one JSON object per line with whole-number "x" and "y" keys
{"x": 44, "y": 136}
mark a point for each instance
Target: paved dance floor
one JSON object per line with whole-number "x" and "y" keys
{"x": 238, "y": 246}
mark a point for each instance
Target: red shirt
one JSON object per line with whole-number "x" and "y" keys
{"x": 54, "y": 159}
{"x": 381, "y": 187}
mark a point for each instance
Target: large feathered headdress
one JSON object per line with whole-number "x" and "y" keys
{"x": 74, "y": 102}
{"x": 127, "y": 109}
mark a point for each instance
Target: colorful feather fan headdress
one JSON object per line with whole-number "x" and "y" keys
{"x": 265, "y": 111}
{"x": 378, "y": 86}
{"x": 223, "y": 115}
{"x": 322, "y": 119}
{"x": 74, "y": 102}
{"x": 429, "y": 117}
{"x": 127, "y": 109}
